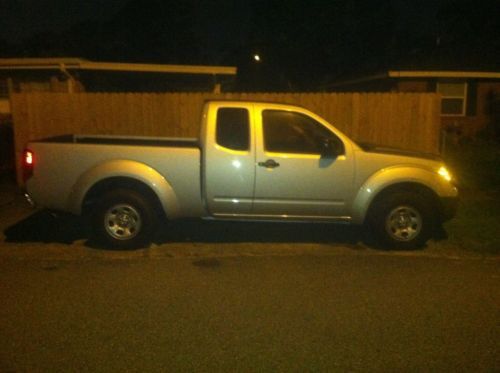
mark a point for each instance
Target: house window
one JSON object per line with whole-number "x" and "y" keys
{"x": 453, "y": 98}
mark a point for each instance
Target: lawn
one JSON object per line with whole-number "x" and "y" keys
{"x": 476, "y": 166}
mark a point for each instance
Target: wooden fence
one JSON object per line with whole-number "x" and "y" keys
{"x": 404, "y": 120}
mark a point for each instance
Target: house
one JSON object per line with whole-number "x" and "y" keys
{"x": 470, "y": 100}
{"x": 78, "y": 75}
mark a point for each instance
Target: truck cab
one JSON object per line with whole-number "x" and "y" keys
{"x": 269, "y": 161}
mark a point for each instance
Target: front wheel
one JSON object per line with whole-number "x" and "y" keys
{"x": 123, "y": 219}
{"x": 402, "y": 220}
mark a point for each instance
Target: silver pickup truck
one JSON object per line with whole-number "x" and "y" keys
{"x": 253, "y": 161}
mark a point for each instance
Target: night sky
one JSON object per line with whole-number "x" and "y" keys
{"x": 303, "y": 44}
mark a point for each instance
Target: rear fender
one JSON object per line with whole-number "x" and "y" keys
{"x": 124, "y": 169}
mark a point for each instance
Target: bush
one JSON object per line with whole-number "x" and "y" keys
{"x": 475, "y": 164}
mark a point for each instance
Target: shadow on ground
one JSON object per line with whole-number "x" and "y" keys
{"x": 46, "y": 227}
{"x": 218, "y": 231}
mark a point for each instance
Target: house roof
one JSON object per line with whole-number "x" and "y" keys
{"x": 400, "y": 74}
{"x": 64, "y": 64}
{"x": 443, "y": 74}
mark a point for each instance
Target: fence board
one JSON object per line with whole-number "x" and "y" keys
{"x": 395, "y": 119}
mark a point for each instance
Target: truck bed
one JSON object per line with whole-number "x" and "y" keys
{"x": 63, "y": 163}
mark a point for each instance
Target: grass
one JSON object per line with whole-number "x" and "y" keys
{"x": 476, "y": 164}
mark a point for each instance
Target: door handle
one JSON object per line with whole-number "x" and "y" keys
{"x": 270, "y": 163}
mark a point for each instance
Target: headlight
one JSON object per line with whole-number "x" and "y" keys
{"x": 444, "y": 173}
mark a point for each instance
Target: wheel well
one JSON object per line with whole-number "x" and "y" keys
{"x": 416, "y": 188}
{"x": 109, "y": 184}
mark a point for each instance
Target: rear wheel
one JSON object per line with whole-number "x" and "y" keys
{"x": 123, "y": 219}
{"x": 402, "y": 220}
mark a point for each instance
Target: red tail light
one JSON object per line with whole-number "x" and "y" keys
{"x": 28, "y": 164}
{"x": 28, "y": 158}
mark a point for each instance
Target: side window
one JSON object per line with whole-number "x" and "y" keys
{"x": 289, "y": 132}
{"x": 233, "y": 128}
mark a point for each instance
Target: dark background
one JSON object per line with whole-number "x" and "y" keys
{"x": 303, "y": 45}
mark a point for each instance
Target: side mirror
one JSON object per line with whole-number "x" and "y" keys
{"x": 332, "y": 147}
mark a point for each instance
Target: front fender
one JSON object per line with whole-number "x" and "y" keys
{"x": 396, "y": 175}
{"x": 128, "y": 169}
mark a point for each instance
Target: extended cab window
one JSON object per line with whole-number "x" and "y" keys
{"x": 233, "y": 128}
{"x": 289, "y": 132}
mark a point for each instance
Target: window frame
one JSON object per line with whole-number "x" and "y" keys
{"x": 249, "y": 129}
{"x": 454, "y": 97}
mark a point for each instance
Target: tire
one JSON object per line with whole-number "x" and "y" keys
{"x": 123, "y": 219}
{"x": 402, "y": 220}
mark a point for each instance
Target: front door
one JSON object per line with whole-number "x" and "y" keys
{"x": 293, "y": 179}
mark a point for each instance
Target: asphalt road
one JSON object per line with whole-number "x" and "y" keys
{"x": 238, "y": 297}
{"x": 250, "y": 313}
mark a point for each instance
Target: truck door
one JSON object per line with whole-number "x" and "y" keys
{"x": 293, "y": 179}
{"x": 229, "y": 161}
